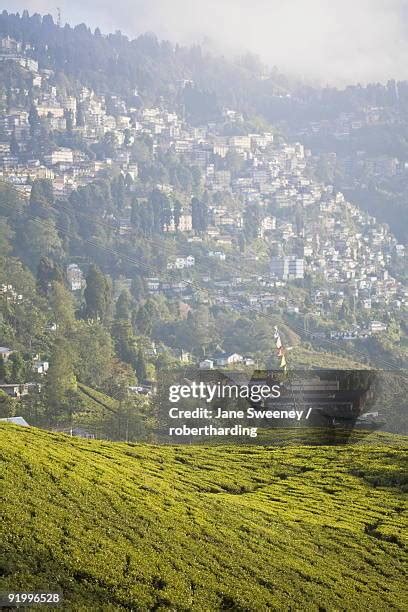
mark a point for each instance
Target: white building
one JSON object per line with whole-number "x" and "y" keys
{"x": 288, "y": 268}
{"x": 377, "y": 327}
{"x": 185, "y": 223}
{"x": 60, "y": 156}
{"x": 75, "y": 277}
{"x": 5, "y": 352}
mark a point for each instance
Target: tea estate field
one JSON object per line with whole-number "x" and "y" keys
{"x": 137, "y": 527}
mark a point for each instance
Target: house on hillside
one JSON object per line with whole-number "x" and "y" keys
{"x": 5, "y": 352}
{"x": 206, "y": 364}
{"x": 18, "y": 420}
{"x": 15, "y": 390}
{"x": 75, "y": 277}
{"x": 377, "y": 327}
{"x": 79, "y": 432}
{"x": 226, "y": 359}
{"x": 40, "y": 366}
{"x": 249, "y": 361}
{"x": 181, "y": 262}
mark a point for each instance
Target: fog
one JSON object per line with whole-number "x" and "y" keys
{"x": 330, "y": 41}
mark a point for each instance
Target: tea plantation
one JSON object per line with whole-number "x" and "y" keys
{"x": 137, "y": 527}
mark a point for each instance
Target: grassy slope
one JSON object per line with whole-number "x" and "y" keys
{"x": 119, "y": 526}
{"x": 95, "y": 399}
{"x": 96, "y": 407}
{"x": 305, "y": 358}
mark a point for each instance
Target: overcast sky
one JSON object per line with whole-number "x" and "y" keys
{"x": 334, "y": 41}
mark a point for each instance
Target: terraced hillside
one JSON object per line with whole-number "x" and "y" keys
{"x": 118, "y": 526}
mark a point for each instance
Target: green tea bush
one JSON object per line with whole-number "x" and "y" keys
{"x": 122, "y": 526}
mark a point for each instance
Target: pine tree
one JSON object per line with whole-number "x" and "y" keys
{"x": 61, "y": 380}
{"x": 7, "y": 406}
{"x": 62, "y": 305}
{"x": 47, "y": 272}
{"x": 123, "y": 306}
{"x": 33, "y": 120}
{"x": 145, "y": 318}
{"x": 138, "y": 288}
{"x": 17, "y": 374}
{"x": 141, "y": 369}
{"x": 177, "y": 214}
{"x": 97, "y": 294}
{"x": 3, "y": 369}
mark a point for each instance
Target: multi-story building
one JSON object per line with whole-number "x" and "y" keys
{"x": 287, "y": 268}
{"x": 60, "y": 156}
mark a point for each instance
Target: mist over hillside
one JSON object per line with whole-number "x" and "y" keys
{"x": 340, "y": 42}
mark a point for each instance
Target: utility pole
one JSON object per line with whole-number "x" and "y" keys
{"x": 58, "y": 16}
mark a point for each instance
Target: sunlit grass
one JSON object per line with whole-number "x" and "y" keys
{"x": 196, "y": 528}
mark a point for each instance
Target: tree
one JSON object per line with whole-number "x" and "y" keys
{"x": 145, "y": 318}
{"x": 241, "y": 243}
{"x": 122, "y": 376}
{"x": 201, "y": 331}
{"x": 394, "y": 331}
{"x": 160, "y": 206}
{"x": 42, "y": 194}
{"x": 201, "y": 106}
{"x": 7, "y": 406}
{"x": 62, "y": 305}
{"x": 141, "y": 370}
{"x": 123, "y": 305}
{"x": 47, "y": 272}
{"x": 39, "y": 238}
{"x": 14, "y": 146}
{"x": 10, "y": 203}
{"x": 119, "y": 192}
{"x": 18, "y": 368}
{"x": 234, "y": 162}
{"x": 177, "y": 210}
{"x": 344, "y": 311}
{"x": 138, "y": 288}
{"x": 106, "y": 147}
{"x": 142, "y": 218}
{"x": 93, "y": 354}
{"x": 34, "y": 120}
{"x": 122, "y": 334}
{"x": 252, "y": 222}
{"x": 141, "y": 151}
{"x": 80, "y": 119}
{"x": 97, "y": 294}
{"x": 196, "y": 214}
{"x": 127, "y": 423}
{"x": 199, "y": 211}
{"x": 6, "y": 237}
{"x": 3, "y": 369}
{"x": 167, "y": 215}
{"x": 61, "y": 379}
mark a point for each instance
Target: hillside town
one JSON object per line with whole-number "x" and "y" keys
{"x": 310, "y": 236}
